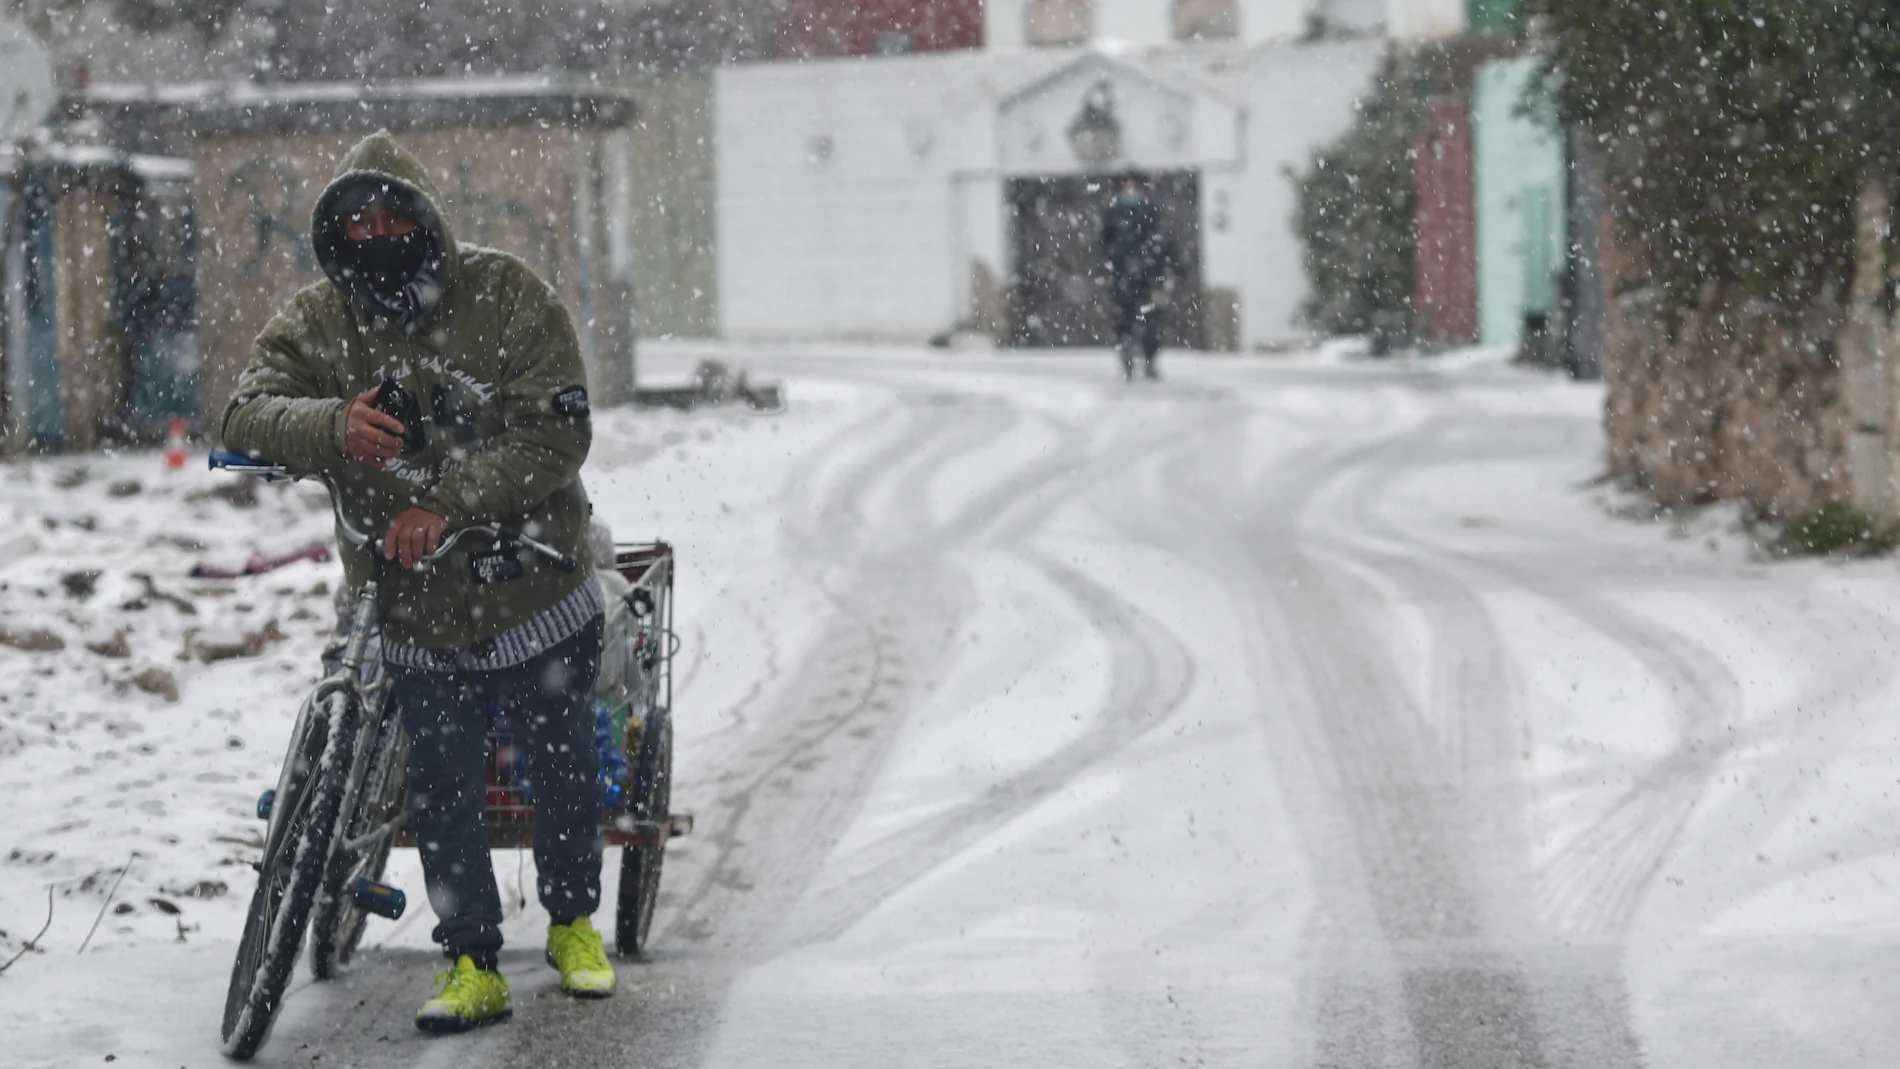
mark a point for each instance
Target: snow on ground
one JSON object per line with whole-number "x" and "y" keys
{"x": 1032, "y": 719}
{"x": 118, "y": 787}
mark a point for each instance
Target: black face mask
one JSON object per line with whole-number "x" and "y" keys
{"x": 388, "y": 262}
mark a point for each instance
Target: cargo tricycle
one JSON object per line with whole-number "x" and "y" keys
{"x": 340, "y": 804}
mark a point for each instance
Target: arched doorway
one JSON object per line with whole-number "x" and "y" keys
{"x": 1060, "y": 296}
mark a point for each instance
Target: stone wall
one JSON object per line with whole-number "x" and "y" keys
{"x": 1741, "y": 399}
{"x": 1737, "y": 399}
{"x": 1732, "y": 400}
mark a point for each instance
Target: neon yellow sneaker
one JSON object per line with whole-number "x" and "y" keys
{"x": 471, "y": 997}
{"x": 575, "y": 950}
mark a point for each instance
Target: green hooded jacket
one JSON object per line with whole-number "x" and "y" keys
{"x": 496, "y": 368}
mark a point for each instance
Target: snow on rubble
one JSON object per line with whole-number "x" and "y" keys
{"x": 143, "y": 710}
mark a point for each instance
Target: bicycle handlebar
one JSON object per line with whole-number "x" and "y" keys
{"x": 224, "y": 460}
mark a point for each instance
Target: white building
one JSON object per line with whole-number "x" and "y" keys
{"x": 905, "y": 197}
{"x": 1015, "y": 24}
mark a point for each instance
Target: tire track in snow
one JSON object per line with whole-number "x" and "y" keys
{"x": 1592, "y": 887}
{"x": 891, "y": 612}
{"x": 737, "y": 713}
{"x": 1152, "y": 674}
{"x": 1464, "y": 1001}
{"x": 1578, "y": 990}
{"x": 1591, "y": 892}
{"x": 1592, "y": 895}
{"x": 1178, "y": 508}
{"x": 844, "y": 696}
{"x": 1790, "y": 746}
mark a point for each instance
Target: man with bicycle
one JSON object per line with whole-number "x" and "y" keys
{"x": 440, "y": 386}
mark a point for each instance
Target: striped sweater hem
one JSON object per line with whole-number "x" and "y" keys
{"x": 517, "y": 645}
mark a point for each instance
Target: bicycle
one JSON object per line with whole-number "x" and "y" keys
{"x": 341, "y": 800}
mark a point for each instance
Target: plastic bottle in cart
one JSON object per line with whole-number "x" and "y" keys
{"x": 613, "y": 760}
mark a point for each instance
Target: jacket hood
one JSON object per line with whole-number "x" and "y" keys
{"x": 382, "y": 165}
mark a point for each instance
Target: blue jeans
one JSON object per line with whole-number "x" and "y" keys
{"x": 549, "y": 702}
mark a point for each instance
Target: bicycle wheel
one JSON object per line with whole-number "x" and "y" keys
{"x": 640, "y": 865}
{"x": 336, "y": 924}
{"x": 303, "y": 822}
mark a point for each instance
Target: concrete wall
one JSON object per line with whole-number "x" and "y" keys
{"x": 982, "y": 228}
{"x": 1145, "y": 23}
{"x": 1354, "y": 16}
{"x": 836, "y": 207}
{"x": 1298, "y": 98}
{"x": 670, "y": 186}
{"x": 531, "y": 190}
{"x": 1136, "y": 22}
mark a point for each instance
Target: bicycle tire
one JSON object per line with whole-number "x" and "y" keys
{"x": 640, "y": 865}
{"x": 286, "y": 887}
{"x": 336, "y": 924}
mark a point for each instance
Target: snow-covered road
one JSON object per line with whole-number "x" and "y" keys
{"x": 1291, "y": 712}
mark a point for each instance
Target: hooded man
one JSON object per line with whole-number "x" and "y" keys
{"x": 484, "y": 418}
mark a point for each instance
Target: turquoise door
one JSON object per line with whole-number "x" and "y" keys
{"x": 33, "y": 367}
{"x": 1520, "y": 196}
{"x": 1492, "y": 16}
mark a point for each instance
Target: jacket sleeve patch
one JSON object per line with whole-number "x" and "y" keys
{"x": 571, "y": 401}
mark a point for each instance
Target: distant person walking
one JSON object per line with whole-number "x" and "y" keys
{"x": 1138, "y": 259}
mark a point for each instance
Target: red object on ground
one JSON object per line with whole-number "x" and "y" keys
{"x": 258, "y": 565}
{"x": 175, "y": 444}
{"x": 811, "y": 28}
{"x": 1445, "y": 278}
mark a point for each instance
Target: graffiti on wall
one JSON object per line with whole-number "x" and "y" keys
{"x": 269, "y": 187}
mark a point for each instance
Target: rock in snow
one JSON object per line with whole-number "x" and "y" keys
{"x": 32, "y": 639}
{"x": 157, "y": 681}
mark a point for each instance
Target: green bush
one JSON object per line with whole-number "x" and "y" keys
{"x": 1357, "y": 204}
{"x": 1736, "y": 133}
{"x": 1834, "y": 529}
{"x": 1355, "y": 213}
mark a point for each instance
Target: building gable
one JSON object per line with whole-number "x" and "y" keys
{"x": 1099, "y": 114}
